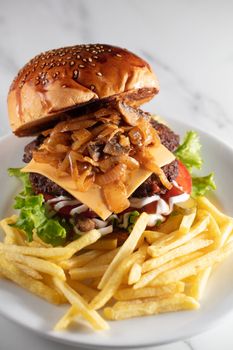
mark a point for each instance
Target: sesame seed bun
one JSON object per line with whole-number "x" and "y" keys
{"x": 72, "y": 77}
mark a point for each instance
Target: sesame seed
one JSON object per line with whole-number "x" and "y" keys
{"x": 90, "y": 59}
{"x": 68, "y": 57}
{"x": 118, "y": 55}
{"x": 93, "y": 64}
{"x": 81, "y": 66}
{"x": 92, "y": 87}
{"x": 71, "y": 63}
{"x": 99, "y": 74}
{"x": 84, "y": 60}
{"x": 78, "y": 57}
{"x": 75, "y": 74}
{"x": 95, "y": 57}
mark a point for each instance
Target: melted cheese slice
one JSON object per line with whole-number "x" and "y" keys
{"x": 93, "y": 197}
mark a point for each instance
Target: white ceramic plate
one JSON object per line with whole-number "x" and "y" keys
{"x": 39, "y": 316}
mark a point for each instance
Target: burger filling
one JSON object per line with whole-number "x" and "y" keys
{"x": 99, "y": 148}
{"x": 149, "y": 194}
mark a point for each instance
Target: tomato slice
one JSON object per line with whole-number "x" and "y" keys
{"x": 183, "y": 179}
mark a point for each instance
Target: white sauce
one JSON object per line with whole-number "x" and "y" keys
{"x": 141, "y": 202}
{"x": 78, "y": 210}
{"x": 99, "y": 223}
{"x": 62, "y": 204}
{"x": 153, "y": 218}
{"x": 106, "y": 230}
{"x": 58, "y": 199}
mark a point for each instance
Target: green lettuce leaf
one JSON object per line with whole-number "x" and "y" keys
{"x": 35, "y": 216}
{"x": 189, "y": 151}
{"x": 201, "y": 185}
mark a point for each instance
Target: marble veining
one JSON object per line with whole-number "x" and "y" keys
{"x": 189, "y": 45}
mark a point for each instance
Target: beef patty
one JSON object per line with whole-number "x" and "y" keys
{"x": 151, "y": 186}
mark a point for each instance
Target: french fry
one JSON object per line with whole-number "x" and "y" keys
{"x": 12, "y": 235}
{"x": 134, "y": 273}
{"x": 80, "y": 260}
{"x": 226, "y": 229}
{"x": 187, "y": 222}
{"x": 189, "y": 247}
{"x": 149, "y": 292}
{"x": 204, "y": 203}
{"x": 196, "y": 265}
{"x": 94, "y": 319}
{"x": 174, "y": 239}
{"x": 85, "y": 272}
{"x": 196, "y": 285}
{"x": 28, "y": 271}
{"x": 126, "y": 249}
{"x": 152, "y": 236}
{"x": 104, "y": 258}
{"x": 38, "y": 265}
{"x": 104, "y": 244}
{"x": 36, "y": 287}
{"x": 65, "y": 321}
{"x": 114, "y": 281}
{"x": 59, "y": 252}
{"x": 148, "y": 278}
{"x": 87, "y": 292}
{"x": 124, "y": 310}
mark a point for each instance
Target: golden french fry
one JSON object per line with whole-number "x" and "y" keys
{"x": 28, "y": 271}
{"x": 12, "y": 235}
{"x": 175, "y": 239}
{"x": 126, "y": 249}
{"x": 135, "y": 273}
{"x": 65, "y": 321}
{"x": 187, "y": 222}
{"x": 196, "y": 265}
{"x": 124, "y": 310}
{"x": 58, "y": 252}
{"x": 104, "y": 244}
{"x": 104, "y": 258}
{"x": 36, "y": 287}
{"x": 94, "y": 319}
{"x": 204, "y": 203}
{"x": 149, "y": 292}
{"x": 191, "y": 246}
{"x": 87, "y": 292}
{"x": 148, "y": 278}
{"x": 85, "y": 272}
{"x": 38, "y": 264}
{"x": 114, "y": 281}
{"x": 196, "y": 285}
{"x": 226, "y": 229}
{"x": 152, "y": 236}
{"x": 80, "y": 260}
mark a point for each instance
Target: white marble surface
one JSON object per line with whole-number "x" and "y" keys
{"x": 188, "y": 43}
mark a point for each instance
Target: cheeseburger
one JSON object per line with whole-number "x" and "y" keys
{"x": 97, "y": 160}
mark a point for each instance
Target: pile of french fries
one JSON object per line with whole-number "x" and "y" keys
{"x": 151, "y": 272}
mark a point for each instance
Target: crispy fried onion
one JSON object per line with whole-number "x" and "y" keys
{"x": 99, "y": 148}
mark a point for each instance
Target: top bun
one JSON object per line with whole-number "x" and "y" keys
{"x": 62, "y": 79}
